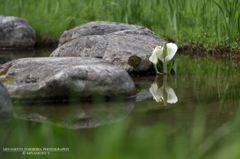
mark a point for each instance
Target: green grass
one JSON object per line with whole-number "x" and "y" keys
{"x": 212, "y": 23}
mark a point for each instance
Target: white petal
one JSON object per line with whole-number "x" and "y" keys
{"x": 160, "y": 54}
{"x": 157, "y": 48}
{"x": 172, "y": 49}
{"x": 153, "y": 58}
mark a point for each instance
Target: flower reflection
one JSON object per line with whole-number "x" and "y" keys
{"x": 154, "y": 91}
{"x": 163, "y": 94}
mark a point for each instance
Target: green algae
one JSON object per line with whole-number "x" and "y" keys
{"x": 7, "y": 79}
{"x": 68, "y": 40}
{"x": 4, "y": 72}
{"x": 134, "y": 61}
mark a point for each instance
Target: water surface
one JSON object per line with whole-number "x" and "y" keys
{"x": 207, "y": 92}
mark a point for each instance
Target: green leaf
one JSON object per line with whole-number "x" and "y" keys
{"x": 160, "y": 65}
{"x": 169, "y": 65}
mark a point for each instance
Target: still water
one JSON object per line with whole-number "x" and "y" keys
{"x": 201, "y": 88}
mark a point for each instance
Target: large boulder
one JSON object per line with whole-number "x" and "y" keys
{"x": 5, "y": 103}
{"x": 99, "y": 28}
{"x": 16, "y": 33}
{"x": 129, "y": 49}
{"x": 58, "y": 78}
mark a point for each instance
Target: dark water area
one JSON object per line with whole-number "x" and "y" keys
{"x": 201, "y": 90}
{"x": 8, "y": 55}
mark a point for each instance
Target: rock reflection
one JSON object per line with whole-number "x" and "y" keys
{"x": 163, "y": 94}
{"x": 9, "y": 55}
{"x": 5, "y": 104}
{"x": 78, "y": 116}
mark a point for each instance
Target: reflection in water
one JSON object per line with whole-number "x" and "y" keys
{"x": 8, "y": 55}
{"x": 5, "y": 104}
{"x": 84, "y": 115}
{"x": 163, "y": 94}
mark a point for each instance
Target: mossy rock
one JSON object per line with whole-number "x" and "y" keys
{"x": 134, "y": 61}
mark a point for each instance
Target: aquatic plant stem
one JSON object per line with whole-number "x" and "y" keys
{"x": 155, "y": 66}
{"x": 165, "y": 94}
{"x": 165, "y": 67}
{"x": 155, "y": 81}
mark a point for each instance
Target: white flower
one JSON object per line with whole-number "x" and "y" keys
{"x": 165, "y": 54}
{"x": 171, "y": 50}
{"x": 154, "y": 57}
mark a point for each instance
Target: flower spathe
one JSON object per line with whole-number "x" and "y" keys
{"x": 165, "y": 54}
{"x": 171, "y": 51}
{"x": 154, "y": 57}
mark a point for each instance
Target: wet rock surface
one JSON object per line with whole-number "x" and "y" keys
{"x": 59, "y": 78}
{"x": 16, "y": 33}
{"x": 5, "y": 103}
{"x": 128, "y": 49}
{"x": 99, "y": 28}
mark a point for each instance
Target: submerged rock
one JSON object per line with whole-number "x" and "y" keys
{"x": 61, "y": 78}
{"x": 126, "y": 46}
{"x": 16, "y": 33}
{"x": 5, "y": 103}
{"x": 79, "y": 116}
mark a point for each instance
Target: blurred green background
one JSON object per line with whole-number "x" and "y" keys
{"x": 212, "y": 23}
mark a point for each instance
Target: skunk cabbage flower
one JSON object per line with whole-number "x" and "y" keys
{"x": 165, "y": 54}
{"x": 154, "y": 57}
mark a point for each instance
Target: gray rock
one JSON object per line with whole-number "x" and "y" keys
{"x": 5, "y": 103}
{"x": 128, "y": 49}
{"x": 16, "y": 33}
{"x": 57, "y": 78}
{"x": 84, "y": 115}
{"x": 99, "y": 28}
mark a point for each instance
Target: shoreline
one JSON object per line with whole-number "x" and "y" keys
{"x": 195, "y": 49}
